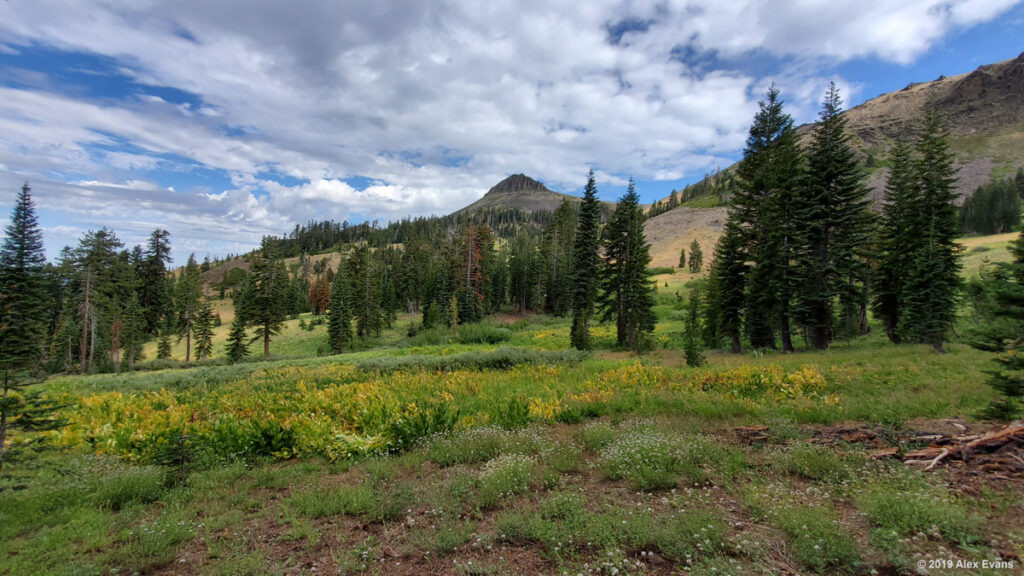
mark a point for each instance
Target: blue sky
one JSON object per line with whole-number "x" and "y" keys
{"x": 224, "y": 121}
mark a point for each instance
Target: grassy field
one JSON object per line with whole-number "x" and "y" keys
{"x": 497, "y": 450}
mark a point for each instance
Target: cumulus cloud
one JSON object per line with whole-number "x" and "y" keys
{"x": 432, "y": 102}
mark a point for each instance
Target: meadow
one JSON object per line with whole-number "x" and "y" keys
{"x": 497, "y": 450}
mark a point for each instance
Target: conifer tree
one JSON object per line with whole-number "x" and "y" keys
{"x": 23, "y": 295}
{"x": 765, "y": 205}
{"x": 833, "y": 221}
{"x": 696, "y": 257}
{"x": 266, "y": 301}
{"x": 188, "y": 293}
{"x": 1001, "y": 329}
{"x": 932, "y": 279}
{"x": 586, "y": 263}
{"x": 682, "y": 258}
{"x": 23, "y": 303}
{"x": 627, "y": 293}
{"x": 339, "y": 313}
{"x": 727, "y": 286}
{"x": 163, "y": 347}
{"x": 155, "y": 295}
{"x": 237, "y": 346}
{"x": 556, "y": 250}
{"x": 134, "y": 331}
{"x": 203, "y": 331}
{"x": 894, "y": 244}
{"x": 365, "y": 297}
{"x": 691, "y": 331}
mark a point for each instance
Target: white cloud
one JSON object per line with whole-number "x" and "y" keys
{"x": 434, "y": 101}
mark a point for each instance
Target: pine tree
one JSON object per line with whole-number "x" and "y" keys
{"x": 339, "y": 313}
{"x": 134, "y": 331}
{"x": 163, "y": 347}
{"x": 188, "y": 294}
{"x": 691, "y": 331}
{"x": 23, "y": 304}
{"x": 266, "y": 303}
{"x": 894, "y": 244}
{"x": 1001, "y": 329}
{"x": 833, "y": 221}
{"x": 556, "y": 253}
{"x": 728, "y": 285}
{"x": 365, "y": 298}
{"x": 23, "y": 297}
{"x": 471, "y": 278}
{"x": 237, "y": 346}
{"x": 696, "y": 258}
{"x": 155, "y": 289}
{"x": 682, "y": 258}
{"x": 586, "y": 263}
{"x": 765, "y": 205}
{"x": 203, "y": 331}
{"x": 932, "y": 279}
{"x": 627, "y": 293}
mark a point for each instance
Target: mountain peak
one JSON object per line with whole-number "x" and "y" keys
{"x": 519, "y": 192}
{"x": 517, "y": 183}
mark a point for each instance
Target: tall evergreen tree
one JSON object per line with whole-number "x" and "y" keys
{"x": 266, "y": 303}
{"x": 682, "y": 258}
{"x": 834, "y": 223}
{"x": 155, "y": 294}
{"x": 188, "y": 294}
{"x": 727, "y": 289}
{"x": 696, "y": 257}
{"x": 339, "y": 313}
{"x": 765, "y": 205}
{"x": 627, "y": 293}
{"x": 23, "y": 304}
{"x": 134, "y": 331}
{"x": 894, "y": 244}
{"x": 203, "y": 331}
{"x": 586, "y": 263}
{"x": 932, "y": 280}
{"x": 362, "y": 272}
{"x": 23, "y": 296}
{"x": 556, "y": 253}
{"x": 691, "y": 331}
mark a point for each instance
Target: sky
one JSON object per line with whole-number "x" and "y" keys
{"x": 223, "y": 121}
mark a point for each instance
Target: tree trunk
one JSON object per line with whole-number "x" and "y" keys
{"x": 736, "y": 348}
{"x": 188, "y": 343}
{"x": 787, "y": 338}
{"x": 266, "y": 339}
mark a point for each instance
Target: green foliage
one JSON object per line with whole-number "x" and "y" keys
{"x": 696, "y": 262}
{"x": 505, "y": 476}
{"x": 501, "y": 358}
{"x": 999, "y": 306}
{"x": 264, "y": 304}
{"x": 586, "y": 264}
{"x": 691, "y": 334}
{"x": 764, "y": 210}
{"x": 627, "y": 293}
{"x": 326, "y": 501}
{"x": 470, "y": 446}
{"x": 894, "y": 244}
{"x": 339, "y": 314}
{"x": 204, "y": 331}
{"x": 723, "y": 311}
{"x": 932, "y": 273}
{"x": 814, "y": 462}
{"x": 835, "y": 224}
{"x": 816, "y": 538}
{"x": 23, "y": 296}
{"x": 657, "y": 270}
{"x": 916, "y": 507}
{"x": 994, "y": 208}
{"x": 237, "y": 346}
{"x": 188, "y": 302}
{"x": 648, "y": 460}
